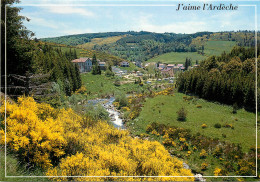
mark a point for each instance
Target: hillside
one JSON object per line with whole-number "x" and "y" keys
{"x": 144, "y": 46}
{"x": 100, "y": 41}
{"x": 79, "y": 39}
{"x": 178, "y": 57}
{"x": 216, "y": 48}
{"x": 243, "y": 38}
{"x": 83, "y": 52}
{"x": 131, "y": 45}
{"x": 229, "y": 78}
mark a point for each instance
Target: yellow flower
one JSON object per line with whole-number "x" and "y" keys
{"x": 203, "y": 153}
{"x": 182, "y": 139}
{"x": 217, "y": 171}
{"x": 203, "y": 126}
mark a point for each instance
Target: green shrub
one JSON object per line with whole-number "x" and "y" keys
{"x": 109, "y": 73}
{"x": 97, "y": 112}
{"x": 182, "y": 114}
{"x": 121, "y": 99}
{"x": 235, "y": 108}
{"x": 218, "y": 151}
{"x": 117, "y": 82}
{"x": 217, "y": 125}
{"x": 227, "y": 125}
{"x": 141, "y": 83}
{"x": 149, "y": 128}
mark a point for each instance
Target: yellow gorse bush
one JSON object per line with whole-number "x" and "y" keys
{"x": 81, "y": 90}
{"x": 83, "y": 147}
{"x": 33, "y": 132}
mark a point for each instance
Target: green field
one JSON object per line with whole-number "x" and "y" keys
{"x": 211, "y": 48}
{"x": 162, "y": 109}
{"x": 100, "y": 41}
{"x": 177, "y": 57}
{"x": 218, "y": 47}
{"x": 101, "y": 86}
{"x": 14, "y": 169}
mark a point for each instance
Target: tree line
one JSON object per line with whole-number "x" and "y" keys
{"x": 229, "y": 78}
{"x": 24, "y": 56}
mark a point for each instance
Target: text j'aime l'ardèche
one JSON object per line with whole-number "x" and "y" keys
{"x": 206, "y": 6}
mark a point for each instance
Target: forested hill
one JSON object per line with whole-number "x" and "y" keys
{"x": 145, "y": 45}
{"x": 132, "y": 45}
{"x": 135, "y": 37}
{"x": 229, "y": 78}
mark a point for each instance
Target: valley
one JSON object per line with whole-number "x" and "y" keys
{"x": 128, "y": 105}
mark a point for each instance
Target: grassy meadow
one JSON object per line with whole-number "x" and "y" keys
{"x": 218, "y": 47}
{"x": 163, "y": 109}
{"x": 101, "y": 85}
{"x": 210, "y": 48}
{"x": 177, "y": 57}
{"x": 100, "y": 41}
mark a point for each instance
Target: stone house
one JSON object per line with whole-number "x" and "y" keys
{"x": 84, "y": 64}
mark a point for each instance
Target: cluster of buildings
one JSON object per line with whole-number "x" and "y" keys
{"x": 171, "y": 69}
{"x": 168, "y": 70}
{"x": 86, "y": 64}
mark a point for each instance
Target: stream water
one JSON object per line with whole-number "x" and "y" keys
{"x": 113, "y": 112}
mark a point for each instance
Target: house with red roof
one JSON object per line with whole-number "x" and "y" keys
{"x": 84, "y": 64}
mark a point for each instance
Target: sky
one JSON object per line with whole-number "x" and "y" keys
{"x": 52, "y": 18}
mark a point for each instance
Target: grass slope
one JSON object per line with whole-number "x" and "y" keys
{"x": 13, "y": 169}
{"x": 177, "y": 57}
{"x": 100, "y": 85}
{"x": 100, "y": 41}
{"x": 218, "y": 47}
{"x": 162, "y": 109}
{"x": 81, "y": 52}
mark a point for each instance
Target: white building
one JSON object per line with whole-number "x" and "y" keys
{"x": 124, "y": 64}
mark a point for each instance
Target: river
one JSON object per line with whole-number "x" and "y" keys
{"x": 113, "y": 112}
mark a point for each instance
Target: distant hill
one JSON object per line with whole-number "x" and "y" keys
{"x": 243, "y": 38}
{"x": 131, "y": 45}
{"x": 143, "y": 46}
{"x": 82, "y": 52}
{"x": 79, "y": 39}
{"x": 101, "y": 41}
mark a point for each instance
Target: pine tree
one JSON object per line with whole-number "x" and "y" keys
{"x": 75, "y": 54}
{"x": 94, "y": 59}
{"x": 78, "y": 76}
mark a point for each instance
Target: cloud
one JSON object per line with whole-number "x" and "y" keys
{"x": 69, "y": 10}
{"x": 42, "y": 22}
{"x": 76, "y": 31}
{"x": 177, "y": 27}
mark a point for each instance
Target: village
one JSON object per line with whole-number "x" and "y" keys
{"x": 129, "y": 91}
{"x": 164, "y": 71}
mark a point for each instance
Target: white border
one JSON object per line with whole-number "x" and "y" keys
{"x": 130, "y": 5}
